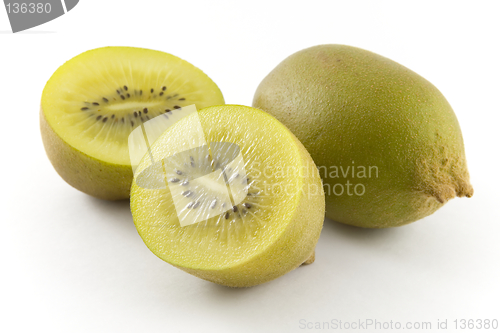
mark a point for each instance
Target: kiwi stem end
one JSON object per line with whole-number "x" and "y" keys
{"x": 310, "y": 260}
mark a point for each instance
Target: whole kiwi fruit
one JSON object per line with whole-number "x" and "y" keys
{"x": 387, "y": 143}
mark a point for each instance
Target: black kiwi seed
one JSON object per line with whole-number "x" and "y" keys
{"x": 190, "y": 204}
{"x": 128, "y": 95}
{"x": 145, "y": 110}
{"x": 105, "y": 99}
{"x": 167, "y": 110}
{"x": 182, "y": 99}
{"x": 161, "y": 94}
{"x": 132, "y": 123}
{"x": 123, "y": 119}
{"x": 135, "y": 114}
{"x": 122, "y": 97}
{"x": 185, "y": 183}
{"x": 179, "y": 172}
{"x": 140, "y": 92}
{"x": 243, "y": 211}
{"x": 174, "y": 180}
{"x": 125, "y": 87}
{"x": 112, "y": 116}
{"x": 95, "y": 103}
{"x": 191, "y": 158}
{"x": 227, "y": 216}
{"x": 98, "y": 118}
{"x": 196, "y": 205}
{"x": 104, "y": 119}
{"x": 140, "y": 113}
{"x": 187, "y": 193}
{"x": 152, "y": 90}
{"x": 177, "y": 107}
{"x": 235, "y": 209}
{"x": 85, "y": 108}
{"x": 247, "y": 205}
{"x": 118, "y": 92}
{"x": 163, "y": 88}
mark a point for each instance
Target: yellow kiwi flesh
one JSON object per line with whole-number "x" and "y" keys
{"x": 274, "y": 230}
{"x": 92, "y": 103}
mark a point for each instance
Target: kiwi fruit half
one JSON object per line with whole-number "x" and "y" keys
{"x": 91, "y": 104}
{"x": 252, "y": 239}
{"x": 387, "y": 143}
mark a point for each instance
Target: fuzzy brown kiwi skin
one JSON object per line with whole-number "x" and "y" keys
{"x": 348, "y": 105}
{"x": 85, "y": 173}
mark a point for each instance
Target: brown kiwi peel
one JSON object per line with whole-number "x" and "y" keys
{"x": 352, "y": 107}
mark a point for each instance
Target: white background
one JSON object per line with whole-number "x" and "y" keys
{"x": 71, "y": 263}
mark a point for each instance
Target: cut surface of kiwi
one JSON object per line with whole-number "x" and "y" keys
{"x": 252, "y": 239}
{"x": 96, "y": 99}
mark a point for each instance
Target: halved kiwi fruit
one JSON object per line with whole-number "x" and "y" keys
{"x": 271, "y": 231}
{"x": 92, "y": 103}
